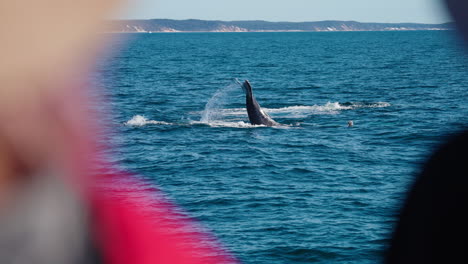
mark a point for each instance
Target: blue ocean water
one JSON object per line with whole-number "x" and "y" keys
{"x": 314, "y": 190}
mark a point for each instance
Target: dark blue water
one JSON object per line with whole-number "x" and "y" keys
{"x": 314, "y": 190}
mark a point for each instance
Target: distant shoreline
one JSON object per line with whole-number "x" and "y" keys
{"x": 215, "y": 26}
{"x": 278, "y": 31}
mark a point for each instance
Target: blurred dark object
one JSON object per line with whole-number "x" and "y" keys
{"x": 433, "y": 226}
{"x": 459, "y": 11}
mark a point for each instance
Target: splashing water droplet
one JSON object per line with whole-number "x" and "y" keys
{"x": 214, "y": 106}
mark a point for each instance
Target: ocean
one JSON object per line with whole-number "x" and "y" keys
{"x": 312, "y": 190}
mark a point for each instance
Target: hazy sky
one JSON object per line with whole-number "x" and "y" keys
{"x": 423, "y": 11}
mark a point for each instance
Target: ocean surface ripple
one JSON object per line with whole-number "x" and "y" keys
{"x": 312, "y": 190}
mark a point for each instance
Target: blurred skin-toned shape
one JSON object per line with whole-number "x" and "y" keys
{"x": 46, "y": 46}
{"x": 49, "y": 37}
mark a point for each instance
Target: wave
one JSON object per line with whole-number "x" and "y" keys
{"x": 301, "y": 110}
{"x": 235, "y": 124}
{"x": 139, "y": 120}
{"x": 234, "y": 117}
{"x": 354, "y": 105}
{"x": 326, "y": 109}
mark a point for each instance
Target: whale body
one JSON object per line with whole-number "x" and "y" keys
{"x": 256, "y": 115}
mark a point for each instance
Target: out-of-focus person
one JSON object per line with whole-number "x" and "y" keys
{"x": 52, "y": 209}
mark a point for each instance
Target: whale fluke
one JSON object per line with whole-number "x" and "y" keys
{"x": 256, "y": 115}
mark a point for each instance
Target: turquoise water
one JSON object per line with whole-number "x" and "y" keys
{"x": 313, "y": 190}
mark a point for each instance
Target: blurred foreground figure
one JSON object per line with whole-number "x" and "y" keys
{"x": 433, "y": 225}
{"x": 55, "y": 205}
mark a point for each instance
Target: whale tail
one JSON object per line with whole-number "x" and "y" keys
{"x": 245, "y": 86}
{"x": 256, "y": 115}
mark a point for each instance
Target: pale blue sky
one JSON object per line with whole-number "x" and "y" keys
{"x": 422, "y": 11}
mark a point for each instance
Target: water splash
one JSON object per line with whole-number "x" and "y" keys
{"x": 139, "y": 120}
{"x": 214, "y": 106}
{"x": 232, "y": 124}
